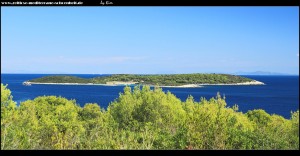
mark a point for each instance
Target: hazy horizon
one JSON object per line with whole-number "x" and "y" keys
{"x": 236, "y": 73}
{"x": 149, "y": 40}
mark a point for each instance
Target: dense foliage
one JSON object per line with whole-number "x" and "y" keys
{"x": 167, "y": 79}
{"x": 61, "y": 79}
{"x": 141, "y": 119}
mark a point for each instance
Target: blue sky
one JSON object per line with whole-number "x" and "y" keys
{"x": 149, "y": 40}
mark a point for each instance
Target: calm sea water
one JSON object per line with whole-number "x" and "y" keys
{"x": 280, "y": 95}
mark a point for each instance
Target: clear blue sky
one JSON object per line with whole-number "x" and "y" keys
{"x": 149, "y": 40}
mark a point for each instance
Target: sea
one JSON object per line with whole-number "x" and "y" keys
{"x": 279, "y": 96}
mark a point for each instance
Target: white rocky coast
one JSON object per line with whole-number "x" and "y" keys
{"x": 121, "y": 83}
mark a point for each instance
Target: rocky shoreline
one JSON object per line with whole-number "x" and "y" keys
{"x": 119, "y": 83}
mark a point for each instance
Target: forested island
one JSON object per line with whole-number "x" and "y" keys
{"x": 142, "y": 118}
{"x": 169, "y": 80}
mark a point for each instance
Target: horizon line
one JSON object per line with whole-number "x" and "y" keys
{"x": 284, "y": 74}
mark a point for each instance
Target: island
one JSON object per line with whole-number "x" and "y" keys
{"x": 161, "y": 80}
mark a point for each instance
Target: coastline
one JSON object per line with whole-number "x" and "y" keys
{"x": 134, "y": 83}
{"x": 38, "y": 83}
{"x": 237, "y": 84}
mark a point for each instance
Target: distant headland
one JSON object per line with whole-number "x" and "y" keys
{"x": 161, "y": 80}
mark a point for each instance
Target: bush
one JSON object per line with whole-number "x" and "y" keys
{"x": 141, "y": 119}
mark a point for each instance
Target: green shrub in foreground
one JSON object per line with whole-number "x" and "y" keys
{"x": 141, "y": 118}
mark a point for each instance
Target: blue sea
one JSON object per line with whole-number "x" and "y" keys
{"x": 279, "y": 96}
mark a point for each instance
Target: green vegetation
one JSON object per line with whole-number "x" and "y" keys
{"x": 61, "y": 79}
{"x": 169, "y": 80}
{"x": 142, "y": 119}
